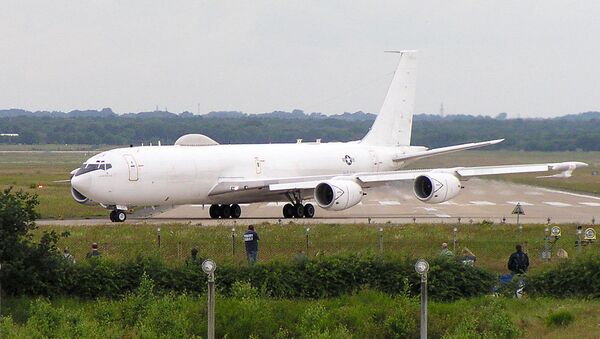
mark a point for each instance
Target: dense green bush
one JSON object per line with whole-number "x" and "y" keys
{"x": 571, "y": 278}
{"x": 317, "y": 278}
{"x": 560, "y": 318}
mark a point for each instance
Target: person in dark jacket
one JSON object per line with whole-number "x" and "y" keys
{"x": 518, "y": 263}
{"x": 251, "y": 242}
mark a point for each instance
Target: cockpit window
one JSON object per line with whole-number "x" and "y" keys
{"x": 85, "y": 168}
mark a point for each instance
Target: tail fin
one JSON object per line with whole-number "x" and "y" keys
{"x": 394, "y": 122}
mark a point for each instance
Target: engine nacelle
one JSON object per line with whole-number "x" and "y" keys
{"x": 435, "y": 188}
{"x": 337, "y": 195}
{"x": 80, "y": 198}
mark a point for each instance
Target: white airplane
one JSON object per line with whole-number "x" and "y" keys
{"x": 197, "y": 170}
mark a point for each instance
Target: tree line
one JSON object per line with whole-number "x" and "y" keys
{"x": 559, "y": 134}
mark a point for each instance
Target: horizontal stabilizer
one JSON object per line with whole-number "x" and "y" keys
{"x": 444, "y": 150}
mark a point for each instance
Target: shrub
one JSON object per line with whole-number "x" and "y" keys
{"x": 571, "y": 278}
{"x": 561, "y": 318}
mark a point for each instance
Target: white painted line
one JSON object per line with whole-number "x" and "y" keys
{"x": 523, "y": 203}
{"x": 448, "y": 203}
{"x": 593, "y": 204}
{"x": 389, "y": 203}
{"x": 430, "y": 209}
{"x": 557, "y": 204}
{"x": 482, "y": 203}
{"x": 572, "y": 194}
{"x": 534, "y": 193}
{"x": 443, "y": 216}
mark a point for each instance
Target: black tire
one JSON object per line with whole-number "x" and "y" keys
{"x": 214, "y": 212}
{"x": 225, "y": 211}
{"x": 236, "y": 211}
{"x": 298, "y": 211}
{"x": 309, "y": 211}
{"x": 120, "y": 216}
{"x": 288, "y": 211}
{"x": 112, "y": 216}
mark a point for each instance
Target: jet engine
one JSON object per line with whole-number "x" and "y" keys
{"x": 435, "y": 188}
{"x": 337, "y": 195}
{"x": 80, "y": 198}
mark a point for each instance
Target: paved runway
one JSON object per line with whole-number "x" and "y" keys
{"x": 480, "y": 199}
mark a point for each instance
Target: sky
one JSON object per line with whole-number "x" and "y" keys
{"x": 526, "y": 58}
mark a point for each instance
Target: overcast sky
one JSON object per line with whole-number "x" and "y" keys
{"x": 526, "y": 58}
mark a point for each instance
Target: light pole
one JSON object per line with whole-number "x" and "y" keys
{"x": 546, "y": 253}
{"x": 306, "y": 235}
{"x": 422, "y": 267}
{"x": 233, "y": 241}
{"x": 158, "y": 237}
{"x": 380, "y": 240}
{"x": 455, "y": 231}
{"x": 209, "y": 267}
{"x": 579, "y": 231}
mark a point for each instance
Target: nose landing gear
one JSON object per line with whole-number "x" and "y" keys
{"x": 118, "y": 216}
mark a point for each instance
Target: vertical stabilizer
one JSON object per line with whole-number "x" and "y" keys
{"x": 394, "y": 122}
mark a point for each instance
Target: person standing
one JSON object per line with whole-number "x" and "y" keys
{"x": 251, "y": 241}
{"x": 94, "y": 253}
{"x": 445, "y": 252}
{"x": 68, "y": 256}
{"x": 518, "y": 263}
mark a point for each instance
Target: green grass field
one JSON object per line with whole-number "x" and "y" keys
{"x": 28, "y": 171}
{"x": 492, "y": 244}
{"x": 366, "y": 314}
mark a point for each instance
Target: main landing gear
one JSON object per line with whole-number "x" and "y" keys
{"x": 225, "y": 211}
{"x": 118, "y": 216}
{"x": 296, "y": 209}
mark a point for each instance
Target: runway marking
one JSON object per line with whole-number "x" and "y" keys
{"x": 557, "y": 204}
{"x": 593, "y": 204}
{"x": 430, "y": 209}
{"x": 534, "y": 193}
{"x": 198, "y": 205}
{"x": 482, "y": 203}
{"x": 572, "y": 194}
{"x": 272, "y": 204}
{"x": 448, "y": 203}
{"x": 443, "y": 216}
{"x": 523, "y": 203}
{"x": 389, "y": 203}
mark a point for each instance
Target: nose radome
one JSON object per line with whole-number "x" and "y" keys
{"x": 82, "y": 183}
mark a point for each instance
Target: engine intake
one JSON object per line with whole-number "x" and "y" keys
{"x": 337, "y": 195}
{"x": 80, "y": 198}
{"x": 435, "y": 188}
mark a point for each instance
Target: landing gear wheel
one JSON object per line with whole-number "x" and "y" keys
{"x": 288, "y": 211}
{"x": 225, "y": 211}
{"x": 236, "y": 211}
{"x": 112, "y": 216}
{"x": 298, "y": 211}
{"x": 309, "y": 211}
{"x": 119, "y": 216}
{"x": 213, "y": 211}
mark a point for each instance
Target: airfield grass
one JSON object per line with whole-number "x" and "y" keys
{"x": 491, "y": 243}
{"x": 38, "y": 165}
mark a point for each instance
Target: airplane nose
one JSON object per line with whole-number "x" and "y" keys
{"x": 82, "y": 183}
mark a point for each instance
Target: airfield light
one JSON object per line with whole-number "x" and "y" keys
{"x": 549, "y": 220}
{"x": 579, "y": 231}
{"x": 307, "y": 242}
{"x": 555, "y": 232}
{"x": 209, "y": 267}
{"x": 593, "y": 220}
{"x": 459, "y": 218}
{"x": 546, "y": 251}
{"x": 422, "y": 267}
{"x": 589, "y": 234}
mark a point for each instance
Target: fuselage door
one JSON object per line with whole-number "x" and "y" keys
{"x": 259, "y": 165}
{"x": 132, "y": 167}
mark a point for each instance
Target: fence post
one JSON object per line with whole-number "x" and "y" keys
{"x": 306, "y": 234}
{"x": 233, "y": 241}
{"x": 380, "y": 240}
{"x": 158, "y": 236}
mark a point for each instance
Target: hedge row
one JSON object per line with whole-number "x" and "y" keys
{"x": 318, "y": 278}
{"x": 572, "y": 278}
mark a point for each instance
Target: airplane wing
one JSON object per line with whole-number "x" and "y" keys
{"x": 283, "y": 185}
